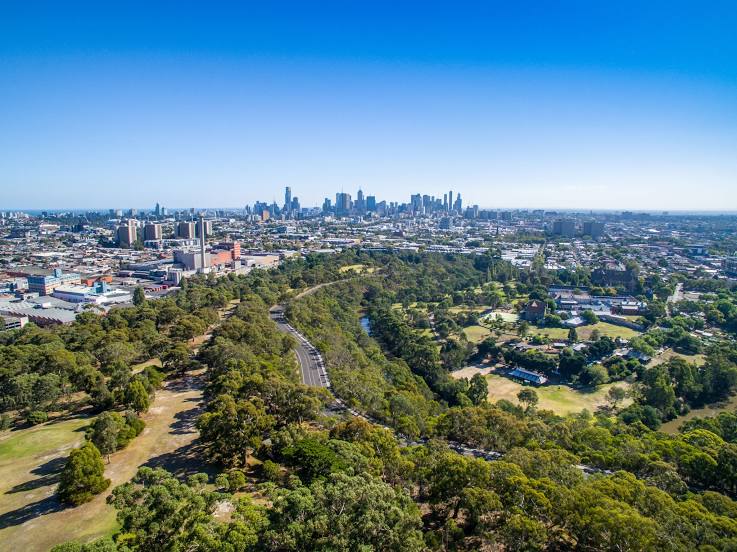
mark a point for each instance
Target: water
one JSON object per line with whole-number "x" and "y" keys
{"x": 366, "y": 324}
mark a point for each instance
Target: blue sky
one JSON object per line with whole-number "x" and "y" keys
{"x": 627, "y": 105}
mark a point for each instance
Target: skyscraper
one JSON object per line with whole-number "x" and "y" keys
{"x": 288, "y": 199}
{"x": 450, "y": 200}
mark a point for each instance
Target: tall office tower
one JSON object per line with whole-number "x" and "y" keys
{"x": 152, "y": 231}
{"x": 185, "y": 230}
{"x": 294, "y": 207}
{"x": 445, "y": 202}
{"x": 371, "y": 204}
{"x": 157, "y": 210}
{"x": 360, "y": 202}
{"x": 416, "y": 202}
{"x": 427, "y": 204}
{"x": 288, "y": 199}
{"x": 342, "y": 204}
{"x": 327, "y": 206}
{"x": 459, "y": 204}
{"x": 450, "y": 200}
{"x": 127, "y": 234}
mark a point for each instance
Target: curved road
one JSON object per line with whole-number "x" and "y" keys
{"x": 311, "y": 364}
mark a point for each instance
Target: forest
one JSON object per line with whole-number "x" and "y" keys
{"x": 299, "y": 474}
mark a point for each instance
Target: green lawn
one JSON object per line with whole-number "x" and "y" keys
{"x": 18, "y": 445}
{"x": 584, "y": 332}
{"x": 561, "y": 399}
{"x": 606, "y": 329}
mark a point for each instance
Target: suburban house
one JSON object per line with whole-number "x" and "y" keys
{"x": 534, "y": 311}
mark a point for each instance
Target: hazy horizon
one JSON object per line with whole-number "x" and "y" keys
{"x": 580, "y": 107}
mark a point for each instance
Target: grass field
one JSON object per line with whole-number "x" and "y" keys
{"x": 556, "y": 334}
{"x": 730, "y": 405}
{"x": 584, "y": 332}
{"x": 505, "y": 316}
{"x": 476, "y": 334}
{"x": 666, "y": 355}
{"x": 475, "y": 308}
{"x": 560, "y": 399}
{"x": 360, "y": 268}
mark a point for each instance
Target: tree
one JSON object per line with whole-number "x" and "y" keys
{"x": 572, "y": 335}
{"x": 615, "y": 395}
{"x": 344, "y": 512}
{"x": 595, "y": 374}
{"x": 478, "y": 389}
{"x": 83, "y": 476}
{"x": 176, "y": 358}
{"x": 105, "y": 544}
{"x": 528, "y": 397}
{"x": 589, "y": 317}
{"x": 523, "y": 328}
{"x": 139, "y": 296}
{"x": 230, "y": 428}
{"x": 159, "y": 513}
{"x": 136, "y": 396}
{"x": 105, "y": 430}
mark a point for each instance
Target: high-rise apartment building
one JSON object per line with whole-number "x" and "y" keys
{"x": 186, "y": 230}
{"x": 565, "y": 228}
{"x": 127, "y": 234}
{"x": 593, "y": 228}
{"x": 152, "y": 231}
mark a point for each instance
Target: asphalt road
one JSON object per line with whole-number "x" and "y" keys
{"x": 311, "y": 365}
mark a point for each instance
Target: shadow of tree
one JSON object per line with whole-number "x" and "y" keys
{"x": 49, "y": 473}
{"x": 183, "y": 462}
{"x": 185, "y": 421}
{"x": 31, "y": 511}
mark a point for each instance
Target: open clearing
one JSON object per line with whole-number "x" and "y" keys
{"x": 584, "y": 332}
{"x": 698, "y": 360}
{"x": 359, "y": 268}
{"x": 505, "y": 316}
{"x": 31, "y": 518}
{"x": 476, "y": 334}
{"x": 561, "y": 399}
{"x": 728, "y": 405}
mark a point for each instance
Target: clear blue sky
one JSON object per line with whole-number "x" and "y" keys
{"x": 514, "y": 104}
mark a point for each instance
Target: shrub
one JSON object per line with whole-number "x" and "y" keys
{"x": 236, "y": 480}
{"x": 36, "y": 417}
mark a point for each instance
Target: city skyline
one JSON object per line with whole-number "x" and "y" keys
{"x": 581, "y": 107}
